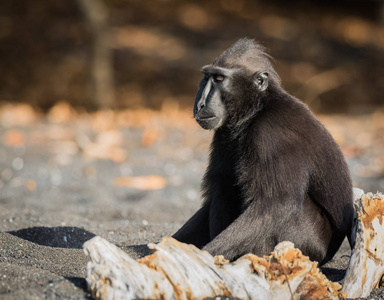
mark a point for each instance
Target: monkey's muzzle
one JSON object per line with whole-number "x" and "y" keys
{"x": 208, "y": 122}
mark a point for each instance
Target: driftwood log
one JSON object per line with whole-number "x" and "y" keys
{"x": 180, "y": 271}
{"x": 366, "y": 267}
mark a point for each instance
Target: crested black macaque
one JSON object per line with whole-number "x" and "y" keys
{"x": 274, "y": 173}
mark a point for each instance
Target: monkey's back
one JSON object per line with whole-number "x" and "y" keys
{"x": 287, "y": 128}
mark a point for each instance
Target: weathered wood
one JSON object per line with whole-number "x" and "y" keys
{"x": 180, "y": 271}
{"x": 366, "y": 267}
{"x": 112, "y": 274}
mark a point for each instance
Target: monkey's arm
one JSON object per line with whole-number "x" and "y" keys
{"x": 252, "y": 231}
{"x": 196, "y": 229}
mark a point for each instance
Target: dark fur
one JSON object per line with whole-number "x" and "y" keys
{"x": 275, "y": 173}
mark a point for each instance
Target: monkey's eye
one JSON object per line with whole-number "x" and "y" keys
{"x": 218, "y": 78}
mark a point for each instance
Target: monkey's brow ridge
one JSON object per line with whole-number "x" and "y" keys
{"x": 216, "y": 70}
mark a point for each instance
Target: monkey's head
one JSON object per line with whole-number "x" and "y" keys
{"x": 233, "y": 85}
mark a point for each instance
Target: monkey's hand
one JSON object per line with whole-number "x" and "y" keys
{"x": 196, "y": 230}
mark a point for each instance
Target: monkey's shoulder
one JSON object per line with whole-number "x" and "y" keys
{"x": 285, "y": 113}
{"x": 289, "y": 124}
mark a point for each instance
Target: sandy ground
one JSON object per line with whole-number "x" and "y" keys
{"x": 66, "y": 179}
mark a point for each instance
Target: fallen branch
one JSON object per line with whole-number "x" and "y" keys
{"x": 180, "y": 271}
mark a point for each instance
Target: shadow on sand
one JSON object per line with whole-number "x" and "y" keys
{"x": 59, "y": 237}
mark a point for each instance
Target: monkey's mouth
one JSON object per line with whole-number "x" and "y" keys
{"x": 204, "y": 115}
{"x": 208, "y": 122}
{"x": 205, "y": 118}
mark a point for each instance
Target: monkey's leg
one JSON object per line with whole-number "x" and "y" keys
{"x": 196, "y": 230}
{"x": 250, "y": 232}
{"x": 258, "y": 232}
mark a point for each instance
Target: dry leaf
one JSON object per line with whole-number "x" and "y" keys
{"x": 30, "y": 185}
{"x": 117, "y": 154}
{"x": 62, "y": 112}
{"x": 151, "y": 182}
{"x": 150, "y": 136}
{"x": 110, "y": 137}
{"x": 101, "y": 151}
{"x": 14, "y": 138}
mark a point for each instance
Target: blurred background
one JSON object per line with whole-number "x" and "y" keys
{"x": 129, "y": 54}
{"x": 106, "y": 87}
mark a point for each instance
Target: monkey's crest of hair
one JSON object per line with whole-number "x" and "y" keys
{"x": 247, "y": 54}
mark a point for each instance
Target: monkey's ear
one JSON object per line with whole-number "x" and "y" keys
{"x": 261, "y": 80}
